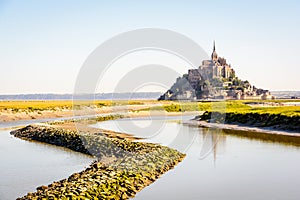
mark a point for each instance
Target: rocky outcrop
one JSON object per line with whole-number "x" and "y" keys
{"x": 275, "y": 121}
{"x": 123, "y": 167}
{"x": 58, "y": 137}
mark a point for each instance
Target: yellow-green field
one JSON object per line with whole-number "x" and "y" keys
{"x": 34, "y": 105}
{"x": 38, "y": 105}
{"x": 236, "y": 106}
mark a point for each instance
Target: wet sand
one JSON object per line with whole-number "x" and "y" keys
{"x": 8, "y": 116}
{"x": 242, "y": 128}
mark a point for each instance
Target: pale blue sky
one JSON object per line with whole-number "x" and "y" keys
{"x": 44, "y": 43}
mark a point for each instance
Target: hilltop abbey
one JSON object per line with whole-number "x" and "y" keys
{"x": 213, "y": 79}
{"x": 217, "y": 67}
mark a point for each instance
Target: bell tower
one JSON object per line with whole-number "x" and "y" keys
{"x": 214, "y": 55}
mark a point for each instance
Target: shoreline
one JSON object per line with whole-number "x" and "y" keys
{"x": 10, "y": 116}
{"x": 250, "y": 132}
{"x": 52, "y": 116}
{"x": 240, "y": 127}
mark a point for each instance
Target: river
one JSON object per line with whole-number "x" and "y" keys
{"x": 217, "y": 166}
{"x": 26, "y": 165}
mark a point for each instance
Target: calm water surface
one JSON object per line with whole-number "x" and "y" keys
{"x": 217, "y": 166}
{"x": 26, "y": 165}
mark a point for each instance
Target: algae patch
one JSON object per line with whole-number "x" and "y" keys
{"x": 123, "y": 167}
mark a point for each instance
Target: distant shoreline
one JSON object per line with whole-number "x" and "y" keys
{"x": 96, "y": 96}
{"x": 115, "y": 96}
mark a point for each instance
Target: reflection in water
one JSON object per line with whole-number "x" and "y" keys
{"x": 291, "y": 139}
{"x": 214, "y": 141}
{"x": 219, "y": 165}
{"x": 171, "y": 133}
{"x": 211, "y": 139}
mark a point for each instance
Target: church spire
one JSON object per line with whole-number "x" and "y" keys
{"x": 214, "y": 55}
{"x": 214, "y": 46}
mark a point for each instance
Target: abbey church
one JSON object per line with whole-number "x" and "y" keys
{"x": 217, "y": 67}
{"x": 213, "y": 79}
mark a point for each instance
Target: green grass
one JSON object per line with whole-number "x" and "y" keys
{"x": 283, "y": 110}
{"x": 40, "y": 105}
{"x": 44, "y": 105}
{"x": 237, "y": 106}
{"x": 200, "y": 106}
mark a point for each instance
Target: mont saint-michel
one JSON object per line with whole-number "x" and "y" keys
{"x": 80, "y": 117}
{"x": 214, "y": 79}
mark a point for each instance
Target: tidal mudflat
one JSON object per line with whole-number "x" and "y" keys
{"x": 231, "y": 163}
{"x": 219, "y": 165}
{"x": 123, "y": 166}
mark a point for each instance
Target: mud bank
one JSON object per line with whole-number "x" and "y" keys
{"x": 123, "y": 167}
{"x": 266, "y": 120}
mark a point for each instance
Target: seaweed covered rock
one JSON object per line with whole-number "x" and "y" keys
{"x": 276, "y": 121}
{"x": 133, "y": 166}
{"x": 47, "y": 134}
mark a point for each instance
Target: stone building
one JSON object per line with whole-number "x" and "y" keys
{"x": 217, "y": 67}
{"x": 213, "y": 79}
